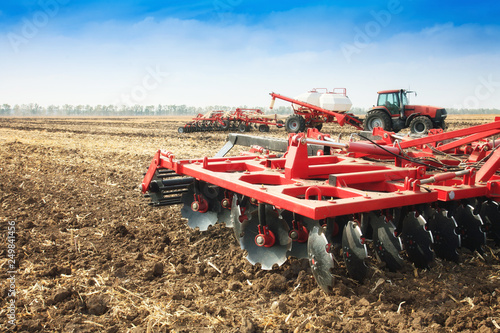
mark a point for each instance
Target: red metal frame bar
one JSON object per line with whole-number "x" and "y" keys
{"x": 347, "y": 185}
{"x": 486, "y": 130}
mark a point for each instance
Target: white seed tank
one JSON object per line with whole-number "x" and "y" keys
{"x": 335, "y": 100}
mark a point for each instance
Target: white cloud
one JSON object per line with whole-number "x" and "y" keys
{"x": 240, "y": 64}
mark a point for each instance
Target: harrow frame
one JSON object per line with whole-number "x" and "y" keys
{"x": 321, "y": 182}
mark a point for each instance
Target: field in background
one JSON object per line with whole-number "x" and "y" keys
{"x": 93, "y": 256}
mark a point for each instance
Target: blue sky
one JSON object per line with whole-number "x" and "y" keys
{"x": 234, "y": 52}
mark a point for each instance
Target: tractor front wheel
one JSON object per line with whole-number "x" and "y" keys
{"x": 295, "y": 124}
{"x": 443, "y": 125}
{"x": 420, "y": 125}
{"x": 377, "y": 119}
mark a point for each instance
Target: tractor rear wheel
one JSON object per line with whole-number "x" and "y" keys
{"x": 420, "y": 125}
{"x": 377, "y": 119}
{"x": 295, "y": 124}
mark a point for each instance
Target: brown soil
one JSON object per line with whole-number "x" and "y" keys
{"x": 92, "y": 256}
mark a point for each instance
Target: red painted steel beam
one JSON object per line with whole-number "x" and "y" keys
{"x": 150, "y": 173}
{"x": 387, "y": 175}
{"x": 345, "y": 201}
{"x": 489, "y": 168}
{"x": 451, "y": 135}
{"x": 468, "y": 139}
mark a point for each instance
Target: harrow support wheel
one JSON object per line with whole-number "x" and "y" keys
{"x": 295, "y": 123}
{"x": 180, "y": 130}
{"x": 225, "y": 125}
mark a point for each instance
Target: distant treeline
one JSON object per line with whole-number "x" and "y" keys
{"x": 160, "y": 110}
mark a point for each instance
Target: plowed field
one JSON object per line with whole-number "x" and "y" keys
{"x": 92, "y": 256}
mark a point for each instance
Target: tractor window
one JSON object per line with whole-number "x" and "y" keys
{"x": 390, "y": 101}
{"x": 405, "y": 100}
{"x": 382, "y": 98}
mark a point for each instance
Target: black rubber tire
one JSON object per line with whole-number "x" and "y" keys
{"x": 319, "y": 126}
{"x": 420, "y": 125}
{"x": 180, "y": 130}
{"x": 263, "y": 128}
{"x": 295, "y": 124}
{"x": 377, "y": 118}
{"x": 443, "y": 125}
{"x": 242, "y": 127}
{"x": 225, "y": 125}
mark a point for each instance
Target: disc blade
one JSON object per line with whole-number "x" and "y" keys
{"x": 224, "y": 216}
{"x": 387, "y": 246}
{"x": 354, "y": 251}
{"x": 266, "y": 256}
{"x": 417, "y": 240}
{"x": 197, "y": 219}
{"x": 444, "y": 233}
{"x": 490, "y": 214}
{"x": 299, "y": 249}
{"x": 470, "y": 228}
{"x": 320, "y": 260}
{"x": 239, "y": 215}
{"x": 187, "y": 197}
{"x": 224, "y": 212}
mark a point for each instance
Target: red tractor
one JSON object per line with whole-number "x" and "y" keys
{"x": 393, "y": 113}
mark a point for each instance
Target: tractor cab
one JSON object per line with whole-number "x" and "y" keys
{"x": 394, "y": 101}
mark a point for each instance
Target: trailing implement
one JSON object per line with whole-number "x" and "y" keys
{"x": 238, "y": 120}
{"x": 397, "y": 198}
{"x": 313, "y": 109}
